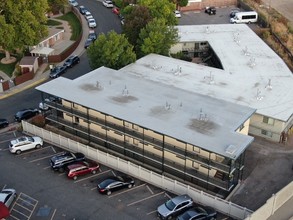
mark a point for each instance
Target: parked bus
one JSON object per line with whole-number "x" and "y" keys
{"x": 244, "y": 17}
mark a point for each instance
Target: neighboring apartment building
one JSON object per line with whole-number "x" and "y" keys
{"x": 184, "y": 135}
{"x": 246, "y": 72}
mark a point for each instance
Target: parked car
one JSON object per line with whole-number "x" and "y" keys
{"x": 3, "y": 123}
{"x": 24, "y": 143}
{"x": 199, "y": 213}
{"x": 108, "y": 4}
{"x": 92, "y": 35}
{"x": 174, "y": 206}
{"x": 210, "y": 10}
{"x": 82, "y": 9}
{"x": 88, "y": 42}
{"x": 122, "y": 20}
{"x": 116, "y": 11}
{"x": 92, "y": 23}
{"x": 7, "y": 196}
{"x": 57, "y": 71}
{"x": 177, "y": 14}
{"x": 115, "y": 183}
{"x": 43, "y": 106}
{"x": 25, "y": 114}
{"x": 82, "y": 168}
{"x": 71, "y": 61}
{"x": 88, "y": 15}
{"x": 73, "y": 3}
{"x": 60, "y": 161}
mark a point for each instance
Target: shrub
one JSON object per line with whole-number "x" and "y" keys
{"x": 39, "y": 121}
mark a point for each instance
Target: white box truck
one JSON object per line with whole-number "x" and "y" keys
{"x": 244, "y": 17}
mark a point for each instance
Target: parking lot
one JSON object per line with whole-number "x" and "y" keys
{"x": 46, "y": 194}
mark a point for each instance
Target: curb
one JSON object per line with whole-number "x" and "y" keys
{"x": 17, "y": 90}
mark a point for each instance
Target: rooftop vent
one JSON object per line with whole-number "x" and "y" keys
{"x": 99, "y": 85}
{"x": 269, "y": 85}
{"x": 125, "y": 91}
{"x": 202, "y": 116}
{"x": 167, "y": 106}
{"x": 245, "y": 51}
{"x": 236, "y": 38}
{"x": 210, "y": 78}
{"x": 178, "y": 71}
{"x": 259, "y": 97}
{"x": 252, "y": 62}
{"x": 231, "y": 149}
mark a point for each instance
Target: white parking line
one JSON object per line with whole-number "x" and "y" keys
{"x": 53, "y": 149}
{"x": 4, "y": 141}
{"x": 93, "y": 175}
{"x": 152, "y": 212}
{"x": 130, "y": 204}
{"x": 53, "y": 214}
{"x": 42, "y": 158}
{"x": 5, "y": 149}
{"x": 45, "y": 168}
{"x": 166, "y": 194}
{"x": 114, "y": 173}
{"x": 125, "y": 191}
{"x": 150, "y": 189}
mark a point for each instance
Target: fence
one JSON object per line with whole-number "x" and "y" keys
{"x": 139, "y": 172}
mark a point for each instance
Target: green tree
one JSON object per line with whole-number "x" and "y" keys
{"x": 181, "y": 3}
{"x": 56, "y": 5}
{"x": 161, "y": 9}
{"x": 157, "y": 38}
{"x": 134, "y": 22}
{"x": 24, "y": 21}
{"x": 111, "y": 50}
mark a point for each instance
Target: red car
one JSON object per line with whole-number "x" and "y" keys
{"x": 116, "y": 11}
{"x": 82, "y": 168}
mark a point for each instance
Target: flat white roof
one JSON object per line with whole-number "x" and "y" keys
{"x": 187, "y": 116}
{"x": 253, "y": 75}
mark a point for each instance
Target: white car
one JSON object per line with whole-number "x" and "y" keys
{"x": 73, "y": 3}
{"x": 108, "y": 4}
{"x": 92, "y": 23}
{"x": 177, "y": 14}
{"x": 43, "y": 106}
{"x": 7, "y": 196}
{"x": 25, "y": 143}
{"x": 88, "y": 17}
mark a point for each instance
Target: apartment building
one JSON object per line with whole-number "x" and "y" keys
{"x": 184, "y": 135}
{"x": 233, "y": 64}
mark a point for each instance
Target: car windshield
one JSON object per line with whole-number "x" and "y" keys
{"x": 170, "y": 205}
{"x": 30, "y": 139}
{"x": 200, "y": 210}
{"x": 106, "y": 182}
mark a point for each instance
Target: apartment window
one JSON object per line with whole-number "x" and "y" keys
{"x": 135, "y": 142}
{"x": 126, "y": 139}
{"x": 268, "y": 120}
{"x": 267, "y": 133}
{"x": 76, "y": 120}
{"x": 195, "y": 165}
{"x": 74, "y": 105}
{"x": 196, "y": 149}
{"x": 135, "y": 127}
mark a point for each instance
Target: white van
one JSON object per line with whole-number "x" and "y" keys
{"x": 244, "y": 17}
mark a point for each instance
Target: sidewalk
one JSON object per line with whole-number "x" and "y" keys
{"x": 43, "y": 72}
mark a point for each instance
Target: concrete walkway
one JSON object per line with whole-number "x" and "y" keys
{"x": 42, "y": 73}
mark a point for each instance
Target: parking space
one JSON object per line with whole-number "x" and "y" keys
{"x": 23, "y": 207}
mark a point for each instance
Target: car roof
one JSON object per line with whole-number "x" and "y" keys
{"x": 181, "y": 198}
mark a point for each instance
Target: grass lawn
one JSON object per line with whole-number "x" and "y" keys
{"x": 74, "y": 23}
{"x": 53, "y": 23}
{"x": 7, "y": 68}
